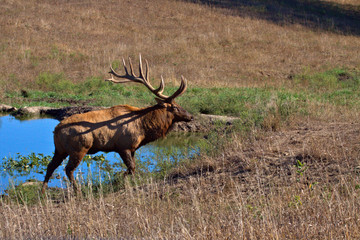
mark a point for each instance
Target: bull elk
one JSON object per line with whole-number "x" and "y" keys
{"x": 122, "y": 129}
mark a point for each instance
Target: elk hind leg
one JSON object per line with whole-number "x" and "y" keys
{"x": 74, "y": 161}
{"x": 55, "y": 163}
{"x": 129, "y": 160}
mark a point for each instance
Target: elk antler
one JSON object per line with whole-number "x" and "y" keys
{"x": 144, "y": 79}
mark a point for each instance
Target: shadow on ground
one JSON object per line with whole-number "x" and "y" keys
{"x": 318, "y": 15}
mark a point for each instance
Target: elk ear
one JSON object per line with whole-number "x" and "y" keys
{"x": 160, "y": 102}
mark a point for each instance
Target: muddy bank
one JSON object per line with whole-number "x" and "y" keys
{"x": 201, "y": 123}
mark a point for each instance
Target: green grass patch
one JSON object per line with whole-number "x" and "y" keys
{"x": 225, "y": 101}
{"x": 28, "y": 194}
{"x": 335, "y": 87}
{"x": 338, "y": 87}
{"x": 331, "y": 80}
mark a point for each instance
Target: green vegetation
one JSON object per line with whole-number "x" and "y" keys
{"x": 25, "y": 165}
{"x": 337, "y": 86}
{"x": 25, "y": 193}
{"x": 55, "y": 90}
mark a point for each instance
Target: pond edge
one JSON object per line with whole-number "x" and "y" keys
{"x": 202, "y": 122}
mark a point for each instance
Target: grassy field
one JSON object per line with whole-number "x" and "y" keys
{"x": 289, "y": 168}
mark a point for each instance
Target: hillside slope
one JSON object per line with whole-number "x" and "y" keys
{"x": 205, "y": 44}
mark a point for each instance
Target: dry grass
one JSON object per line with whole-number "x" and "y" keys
{"x": 202, "y": 43}
{"x": 257, "y": 190}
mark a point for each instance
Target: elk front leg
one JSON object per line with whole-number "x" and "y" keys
{"x": 55, "y": 162}
{"x": 129, "y": 160}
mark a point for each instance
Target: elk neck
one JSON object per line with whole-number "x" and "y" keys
{"x": 156, "y": 123}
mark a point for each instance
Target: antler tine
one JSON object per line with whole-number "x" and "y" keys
{"x": 141, "y": 69}
{"x": 117, "y": 81}
{"x": 131, "y": 68}
{"x": 141, "y": 72}
{"x": 147, "y": 70}
{"x": 160, "y": 89}
{"x": 124, "y": 64}
{"x": 112, "y": 79}
{"x": 112, "y": 74}
{"x": 112, "y": 71}
{"x": 181, "y": 89}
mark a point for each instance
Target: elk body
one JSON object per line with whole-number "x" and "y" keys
{"x": 122, "y": 129}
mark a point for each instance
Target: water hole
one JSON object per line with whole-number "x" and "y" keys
{"x": 21, "y": 140}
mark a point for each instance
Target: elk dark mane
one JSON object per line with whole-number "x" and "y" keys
{"x": 157, "y": 123}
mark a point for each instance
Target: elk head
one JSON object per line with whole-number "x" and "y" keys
{"x": 162, "y": 100}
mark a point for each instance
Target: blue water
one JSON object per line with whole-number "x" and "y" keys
{"x": 26, "y": 136}
{"x": 23, "y": 137}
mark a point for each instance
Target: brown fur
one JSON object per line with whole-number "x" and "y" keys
{"x": 121, "y": 129}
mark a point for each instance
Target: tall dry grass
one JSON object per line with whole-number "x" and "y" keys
{"x": 224, "y": 212}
